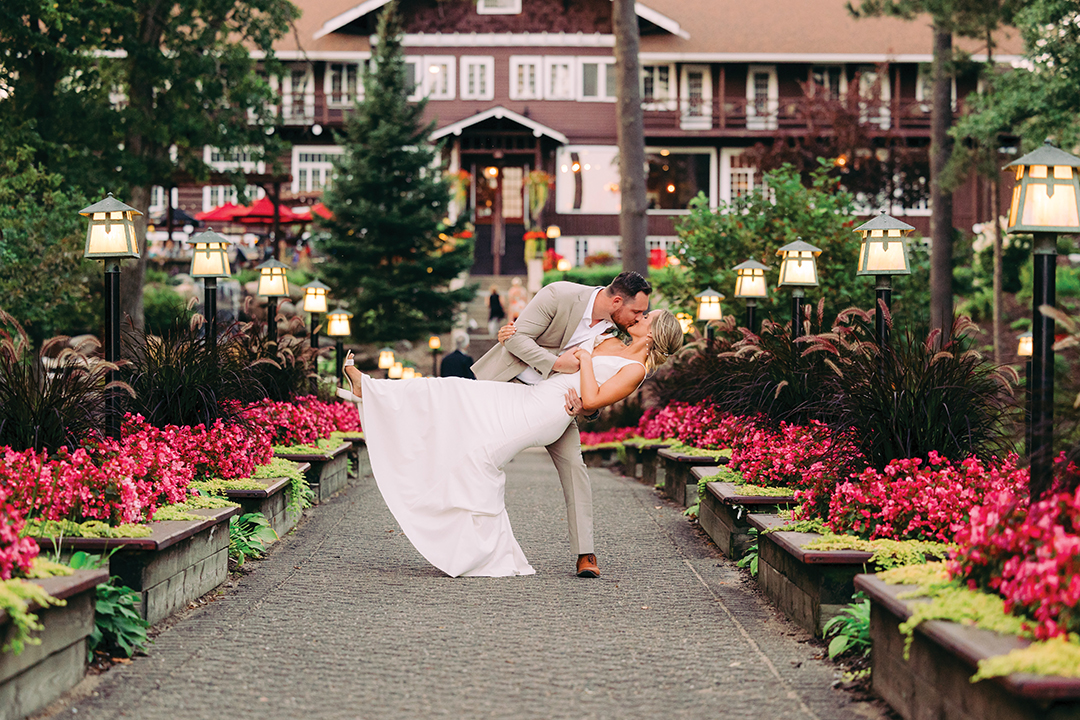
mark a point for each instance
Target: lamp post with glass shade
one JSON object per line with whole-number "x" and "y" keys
{"x": 1025, "y": 349}
{"x": 337, "y": 327}
{"x": 386, "y": 360}
{"x": 273, "y": 284}
{"x": 563, "y": 266}
{"x": 210, "y": 261}
{"x": 686, "y": 321}
{"x": 396, "y": 371}
{"x": 111, "y": 237}
{"x": 798, "y": 271}
{"x": 708, "y": 310}
{"x": 315, "y": 303}
{"x": 435, "y": 344}
{"x": 750, "y": 286}
{"x": 883, "y": 253}
{"x": 1045, "y": 202}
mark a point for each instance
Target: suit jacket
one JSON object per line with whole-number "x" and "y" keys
{"x": 457, "y": 364}
{"x": 546, "y": 324}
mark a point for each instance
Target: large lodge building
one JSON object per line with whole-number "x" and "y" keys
{"x": 516, "y": 86}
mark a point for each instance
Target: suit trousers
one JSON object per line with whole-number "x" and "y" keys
{"x": 577, "y": 490}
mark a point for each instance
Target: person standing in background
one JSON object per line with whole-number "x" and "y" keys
{"x": 457, "y": 363}
{"x": 496, "y": 313}
{"x": 518, "y": 298}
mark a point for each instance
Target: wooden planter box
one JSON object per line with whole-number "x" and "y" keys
{"x": 271, "y": 501}
{"x": 643, "y": 459}
{"x": 809, "y": 586}
{"x": 359, "y": 466}
{"x": 934, "y": 682}
{"x": 600, "y": 457}
{"x": 41, "y": 673}
{"x": 677, "y": 475}
{"x": 723, "y": 514}
{"x": 179, "y": 561}
{"x": 328, "y": 473}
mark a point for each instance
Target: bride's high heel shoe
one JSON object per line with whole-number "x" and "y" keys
{"x": 348, "y": 394}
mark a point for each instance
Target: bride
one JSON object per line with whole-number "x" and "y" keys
{"x": 437, "y": 446}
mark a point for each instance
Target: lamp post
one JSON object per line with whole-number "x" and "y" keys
{"x": 798, "y": 270}
{"x": 750, "y": 285}
{"x": 436, "y": 346}
{"x": 386, "y": 360}
{"x": 686, "y": 321}
{"x": 1045, "y": 202}
{"x": 1025, "y": 349}
{"x": 408, "y": 373}
{"x": 396, "y": 371}
{"x": 315, "y": 303}
{"x": 273, "y": 284}
{"x": 337, "y": 327}
{"x": 111, "y": 237}
{"x": 210, "y": 261}
{"x": 708, "y": 309}
{"x": 883, "y": 253}
{"x": 563, "y": 266}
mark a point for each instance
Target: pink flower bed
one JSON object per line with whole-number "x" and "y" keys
{"x": 607, "y": 436}
{"x": 16, "y": 553}
{"x": 916, "y": 500}
{"x": 303, "y": 421}
{"x": 1029, "y": 554}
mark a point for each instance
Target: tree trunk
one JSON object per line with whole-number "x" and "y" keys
{"x": 633, "y": 223}
{"x": 133, "y": 272}
{"x": 941, "y": 221}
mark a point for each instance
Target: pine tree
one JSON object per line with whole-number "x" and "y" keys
{"x": 391, "y": 257}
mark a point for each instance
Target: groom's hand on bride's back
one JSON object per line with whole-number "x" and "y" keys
{"x": 566, "y": 363}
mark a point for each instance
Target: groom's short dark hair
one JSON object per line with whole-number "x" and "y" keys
{"x": 628, "y": 284}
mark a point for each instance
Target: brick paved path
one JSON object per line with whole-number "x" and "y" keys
{"x": 345, "y": 620}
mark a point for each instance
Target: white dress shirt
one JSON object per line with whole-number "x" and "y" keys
{"x": 583, "y": 332}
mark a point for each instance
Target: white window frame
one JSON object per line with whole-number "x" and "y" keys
{"x": 726, "y": 155}
{"x": 691, "y": 119}
{"x": 569, "y": 93}
{"x": 602, "y": 90}
{"x": 498, "y": 7}
{"x": 924, "y": 91}
{"x": 537, "y": 64}
{"x": 417, "y": 62}
{"x": 288, "y": 92}
{"x": 662, "y": 102}
{"x": 714, "y": 186}
{"x": 157, "y": 199}
{"x": 769, "y": 119}
{"x": 325, "y": 168}
{"x": 357, "y": 69}
{"x": 431, "y": 80}
{"x": 883, "y": 117}
{"x": 217, "y": 195}
{"x": 842, "y": 90}
{"x": 485, "y": 65}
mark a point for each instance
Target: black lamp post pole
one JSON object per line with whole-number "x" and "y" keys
{"x": 1042, "y": 365}
{"x": 751, "y": 312}
{"x": 434, "y": 363}
{"x": 271, "y": 318}
{"x": 210, "y": 312}
{"x": 798, "y": 295}
{"x": 884, "y": 303}
{"x": 315, "y": 330}
{"x": 112, "y": 342}
{"x": 339, "y": 356}
{"x": 1027, "y": 408}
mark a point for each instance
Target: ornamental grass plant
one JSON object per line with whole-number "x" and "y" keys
{"x": 282, "y": 370}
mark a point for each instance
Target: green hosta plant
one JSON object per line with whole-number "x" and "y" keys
{"x": 249, "y": 536}
{"x": 750, "y": 557}
{"x": 849, "y": 631}
{"x": 118, "y": 626}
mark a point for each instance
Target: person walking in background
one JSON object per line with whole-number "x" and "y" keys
{"x": 457, "y": 363}
{"x": 517, "y": 298}
{"x": 496, "y": 313}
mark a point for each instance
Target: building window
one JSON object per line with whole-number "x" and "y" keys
{"x": 477, "y": 78}
{"x": 525, "y": 74}
{"x": 559, "y": 78}
{"x": 657, "y": 88}
{"x": 498, "y": 7}
{"x": 762, "y": 97}
{"x": 829, "y": 82}
{"x": 298, "y": 95}
{"x": 231, "y": 161}
{"x": 738, "y": 176}
{"x": 412, "y": 77}
{"x": 343, "y": 83}
{"x": 313, "y": 167}
{"x": 581, "y": 251}
{"x": 597, "y": 79}
{"x": 439, "y": 77}
{"x": 874, "y": 97}
{"x": 676, "y": 177}
{"x": 587, "y": 179}
{"x": 697, "y": 106}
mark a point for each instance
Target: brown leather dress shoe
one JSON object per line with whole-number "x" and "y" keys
{"x": 586, "y": 566}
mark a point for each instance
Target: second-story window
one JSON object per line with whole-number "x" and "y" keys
{"x": 828, "y": 81}
{"x": 298, "y": 95}
{"x": 477, "y": 78}
{"x": 657, "y": 89}
{"x": 343, "y": 83}
{"x": 439, "y": 77}
{"x": 597, "y": 79}
{"x": 525, "y": 77}
{"x": 559, "y": 78}
{"x": 219, "y": 161}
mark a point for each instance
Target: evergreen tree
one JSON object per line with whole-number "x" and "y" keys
{"x": 392, "y": 258}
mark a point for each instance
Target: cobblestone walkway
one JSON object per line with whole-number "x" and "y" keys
{"x": 345, "y": 620}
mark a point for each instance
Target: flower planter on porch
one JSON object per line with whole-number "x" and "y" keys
{"x": 935, "y": 681}
{"x": 677, "y": 476}
{"x": 178, "y": 562}
{"x": 271, "y": 501}
{"x": 723, "y": 513}
{"x": 328, "y": 472}
{"x": 808, "y": 586}
{"x": 41, "y": 673}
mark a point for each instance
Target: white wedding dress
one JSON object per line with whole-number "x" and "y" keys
{"x": 437, "y": 448}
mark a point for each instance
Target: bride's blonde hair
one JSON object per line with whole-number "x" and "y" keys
{"x": 667, "y": 338}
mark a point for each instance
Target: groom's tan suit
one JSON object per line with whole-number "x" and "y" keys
{"x": 545, "y": 326}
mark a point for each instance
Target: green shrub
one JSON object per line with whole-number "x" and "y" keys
{"x": 162, "y": 306}
{"x": 118, "y": 626}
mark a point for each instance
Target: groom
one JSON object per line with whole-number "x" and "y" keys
{"x": 562, "y": 316}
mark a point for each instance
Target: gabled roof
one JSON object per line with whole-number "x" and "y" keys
{"x": 499, "y": 113}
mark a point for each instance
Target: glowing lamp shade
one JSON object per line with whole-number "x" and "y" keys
{"x": 434, "y": 342}
{"x": 408, "y": 373}
{"x": 315, "y": 297}
{"x": 272, "y": 279}
{"x": 386, "y": 359}
{"x": 337, "y": 323}
{"x": 112, "y": 230}
{"x": 1046, "y": 197}
{"x": 563, "y": 265}
{"x": 686, "y": 321}
{"x": 709, "y": 305}
{"x": 554, "y": 232}
{"x": 798, "y": 264}
{"x": 395, "y": 372}
{"x": 1025, "y": 347}
{"x": 750, "y": 280}
{"x": 210, "y": 258}
{"x": 884, "y": 249}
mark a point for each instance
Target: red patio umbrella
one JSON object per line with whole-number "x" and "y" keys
{"x": 262, "y": 213}
{"x": 226, "y": 213}
{"x": 322, "y": 211}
